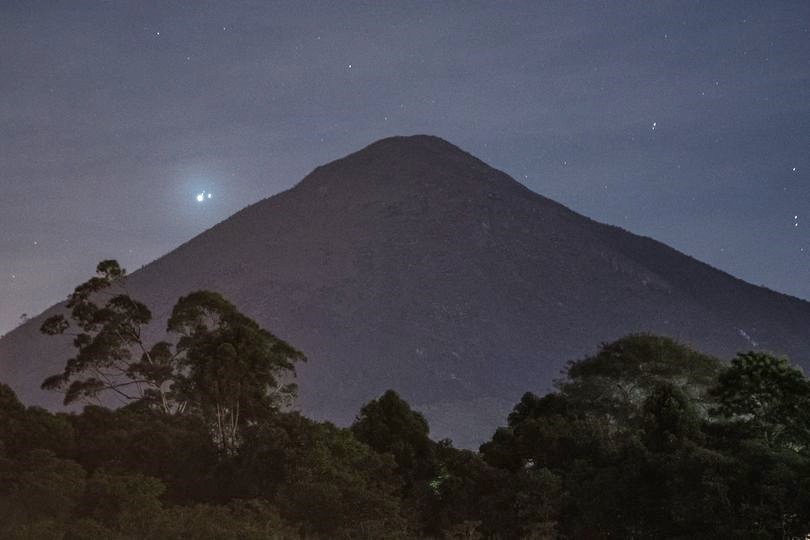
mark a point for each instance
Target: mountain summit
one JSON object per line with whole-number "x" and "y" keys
{"x": 415, "y": 266}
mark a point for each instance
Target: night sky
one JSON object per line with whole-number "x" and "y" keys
{"x": 685, "y": 121}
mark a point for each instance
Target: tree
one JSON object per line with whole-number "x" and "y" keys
{"x": 614, "y": 383}
{"x": 389, "y": 425}
{"x": 111, "y": 355}
{"x": 23, "y": 430}
{"x": 544, "y": 432}
{"x": 669, "y": 419}
{"x": 224, "y": 367}
{"x": 768, "y": 396}
{"x": 40, "y": 487}
{"x": 621, "y": 449}
{"x": 470, "y": 497}
{"x": 239, "y": 520}
{"x": 176, "y": 449}
{"x": 231, "y": 371}
{"x": 125, "y": 502}
{"x": 320, "y": 478}
{"x": 11, "y": 417}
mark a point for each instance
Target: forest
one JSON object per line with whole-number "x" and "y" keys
{"x": 647, "y": 438}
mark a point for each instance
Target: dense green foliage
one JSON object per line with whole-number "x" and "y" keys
{"x": 672, "y": 444}
{"x": 645, "y": 439}
{"x": 229, "y": 369}
{"x": 649, "y": 439}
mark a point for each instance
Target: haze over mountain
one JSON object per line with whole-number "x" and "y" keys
{"x": 413, "y": 265}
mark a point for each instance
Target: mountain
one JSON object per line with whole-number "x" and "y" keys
{"x": 415, "y": 266}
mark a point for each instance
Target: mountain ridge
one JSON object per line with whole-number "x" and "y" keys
{"x": 414, "y": 265}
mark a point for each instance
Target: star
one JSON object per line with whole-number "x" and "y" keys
{"x": 203, "y": 196}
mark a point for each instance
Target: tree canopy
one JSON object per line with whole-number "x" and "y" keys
{"x": 647, "y": 438}
{"x": 216, "y": 363}
{"x": 767, "y": 395}
{"x": 111, "y": 355}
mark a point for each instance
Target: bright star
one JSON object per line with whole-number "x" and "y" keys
{"x": 203, "y": 196}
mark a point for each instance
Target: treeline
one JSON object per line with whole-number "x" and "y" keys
{"x": 646, "y": 439}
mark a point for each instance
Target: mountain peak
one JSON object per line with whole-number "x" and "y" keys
{"x": 410, "y": 148}
{"x": 413, "y": 143}
{"x": 415, "y": 161}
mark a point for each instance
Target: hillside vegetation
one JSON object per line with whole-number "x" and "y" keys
{"x": 648, "y": 438}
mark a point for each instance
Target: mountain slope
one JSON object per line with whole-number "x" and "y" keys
{"x": 411, "y": 264}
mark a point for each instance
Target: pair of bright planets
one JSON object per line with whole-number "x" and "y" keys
{"x": 203, "y": 196}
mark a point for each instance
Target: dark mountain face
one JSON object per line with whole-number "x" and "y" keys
{"x": 412, "y": 265}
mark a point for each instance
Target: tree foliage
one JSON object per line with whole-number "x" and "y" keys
{"x": 389, "y": 425}
{"x": 615, "y": 382}
{"x": 645, "y": 439}
{"x": 230, "y": 370}
{"x": 637, "y": 455}
{"x": 218, "y": 363}
{"x": 769, "y": 396}
{"x": 111, "y": 354}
